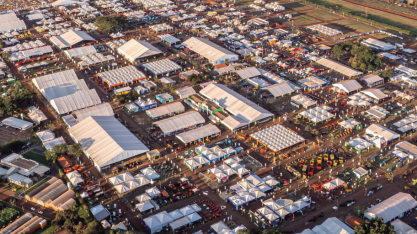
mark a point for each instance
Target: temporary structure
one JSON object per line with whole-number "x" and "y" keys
{"x": 143, "y": 197}
{"x": 53, "y": 185}
{"x": 42, "y": 187}
{"x": 75, "y": 178}
{"x": 153, "y": 192}
{"x": 144, "y": 206}
{"x": 52, "y": 194}
{"x": 17, "y": 223}
{"x": 54, "y": 204}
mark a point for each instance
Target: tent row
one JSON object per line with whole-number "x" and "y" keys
{"x": 125, "y": 182}
{"x": 278, "y": 209}
{"x": 175, "y": 219}
{"x": 318, "y": 114}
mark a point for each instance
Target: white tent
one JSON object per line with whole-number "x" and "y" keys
{"x": 187, "y": 210}
{"x": 144, "y": 206}
{"x": 143, "y": 197}
{"x": 179, "y": 223}
{"x": 193, "y": 217}
{"x": 153, "y": 192}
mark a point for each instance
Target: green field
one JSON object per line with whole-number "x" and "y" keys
{"x": 355, "y": 26}
{"x": 322, "y": 15}
{"x": 372, "y": 14}
{"x": 36, "y": 157}
{"x": 295, "y": 6}
{"x": 303, "y": 19}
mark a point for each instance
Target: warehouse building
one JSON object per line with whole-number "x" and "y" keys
{"x": 377, "y": 44}
{"x": 392, "y": 208}
{"x": 210, "y": 50}
{"x": 76, "y": 101}
{"x": 243, "y": 112}
{"x": 59, "y": 84}
{"x": 106, "y": 141}
{"x": 338, "y": 67}
{"x": 71, "y": 39}
{"x": 10, "y": 22}
{"x": 135, "y": 50}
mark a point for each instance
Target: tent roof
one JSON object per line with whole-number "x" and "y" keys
{"x": 206, "y": 48}
{"x": 235, "y": 103}
{"x": 333, "y": 226}
{"x": 71, "y": 38}
{"x": 136, "y": 49}
{"x": 403, "y": 228}
{"x": 220, "y": 227}
{"x": 198, "y": 133}
{"x": 103, "y": 109}
{"x": 393, "y": 206}
{"x": 76, "y": 101}
{"x": 100, "y": 212}
{"x": 144, "y": 206}
{"x": 193, "y": 217}
{"x": 106, "y": 140}
{"x": 166, "y": 109}
{"x": 17, "y": 123}
{"x": 180, "y": 121}
{"x": 179, "y": 223}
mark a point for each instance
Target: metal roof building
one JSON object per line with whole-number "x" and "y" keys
{"x": 136, "y": 49}
{"x": 103, "y": 109}
{"x": 106, "y": 141}
{"x": 54, "y": 204}
{"x": 282, "y": 89}
{"x": 71, "y": 38}
{"x": 30, "y": 226}
{"x": 59, "y": 84}
{"x": 17, "y": 123}
{"x": 17, "y": 223}
{"x": 52, "y": 194}
{"x": 245, "y": 112}
{"x": 180, "y": 122}
{"x": 75, "y": 101}
{"x": 345, "y": 70}
{"x": 382, "y": 132}
{"x": 50, "y": 144}
{"x": 247, "y": 73}
{"x": 348, "y": 86}
{"x": 375, "y": 94}
{"x": 392, "y": 207}
{"x": 210, "y": 50}
{"x": 164, "y": 110}
{"x": 79, "y": 52}
{"x": 199, "y": 133}
{"x": 10, "y": 22}
{"x": 42, "y": 187}
{"x": 121, "y": 76}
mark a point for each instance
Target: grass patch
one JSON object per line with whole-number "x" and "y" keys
{"x": 376, "y": 16}
{"x": 37, "y": 185}
{"x": 303, "y": 19}
{"x": 353, "y": 25}
{"x": 295, "y": 6}
{"x": 38, "y": 151}
{"x": 48, "y": 230}
{"x": 322, "y": 15}
{"x": 84, "y": 214}
{"x": 36, "y": 157}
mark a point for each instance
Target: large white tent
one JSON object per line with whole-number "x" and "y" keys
{"x": 106, "y": 141}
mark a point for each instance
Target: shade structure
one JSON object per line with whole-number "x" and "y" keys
{"x": 187, "y": 210}
{"x": 264, "y": 211}
{"x": 75, "y": 178}
{"x": 193, "y": 217}
{"x": 163, "y": 66}
{"x": 272, "y": 216}
{"x": 196, "y": 207}
{"x": 17, "y": 223}
{"x": 119, "y": 179}
{"x": 144, "y": 206}
{"x": 282, "y": 212}
{"x": 150, "y": 173}
{"x": 180, "y": 122}
{"x": 179, "y": 223}
{"x": 143, "y": 198}
{"x": 56, "y": 203}
{"x": 153, "y": 192}
{"x": 277, "y": 137}
{"x": 176, "y": 214}
{"x": 52, "y": 194}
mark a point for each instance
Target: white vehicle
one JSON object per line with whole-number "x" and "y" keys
{"x": 32, "y": 208}
{"x": 353, "y": 202}
{"x": 40, "y": 212}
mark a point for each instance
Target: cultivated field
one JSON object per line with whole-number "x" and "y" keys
{"x": 390, "y": 6}
{"x": 325, "y": 16}
{"x": 376, "y": 15}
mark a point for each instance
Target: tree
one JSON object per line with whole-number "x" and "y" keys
{"x": 51, "y": 126}
{"x": 6, "y": 56}
{"x": 297, "y": 121}
{"x": 273, "y": 231}
{"x": 13, "y": 202}
{"x": 337, "y": 51}
{"x": 375, "y": 226}
{"x": 56, "y": 151}
{"x": 208, "y": 67}
{"x": 93, "y": 227}
{"x": 12, "y": 146}
{"x": 111, "y": 24}
{"x": 387, "y": 73}
{"x": 79, "y": 228}
{"x": 314, "y": 132}
{"x": 308, "y": 128}
{"x": 246, "y": 231}
{"x": 75, "y": 150}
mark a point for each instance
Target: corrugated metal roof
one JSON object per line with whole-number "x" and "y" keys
{"x": 370, "y": 79}
{"x": 181, "y": 121}
{"x": 79, "y": 52}
{"x": 348, "y": 85}
{"x": 75, "y": 101}
{"x": 106, "y": 140}
{"x": 185, "y": 92}
{"x": 135, "y": 49}
{"x": 393, "y": 206}
{"x": 198, "y": 133}
{"x": 247, "y": 73}
{"x": 103, "y": 109}
{"x": 10, "y": 22}
{"x": 71, "y": 38}
{"x": 282, "y": 89}
{"x": 166, "y": 109}
{"x": 345, "y": 70}
{"x": 375, "y": 93}
{"x": 121, "y": 75}
{"x": 382, "y": 132}
{"x": 235, "y": 103}
{"x": 206, "y": 48}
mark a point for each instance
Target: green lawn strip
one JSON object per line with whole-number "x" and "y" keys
{"x": 322, "y": 15}
{"x": 84, "y": 214}
{"x": 36, "y": 157}
{"x": 37, "y": 185}
{"x": 48, "y": 230}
